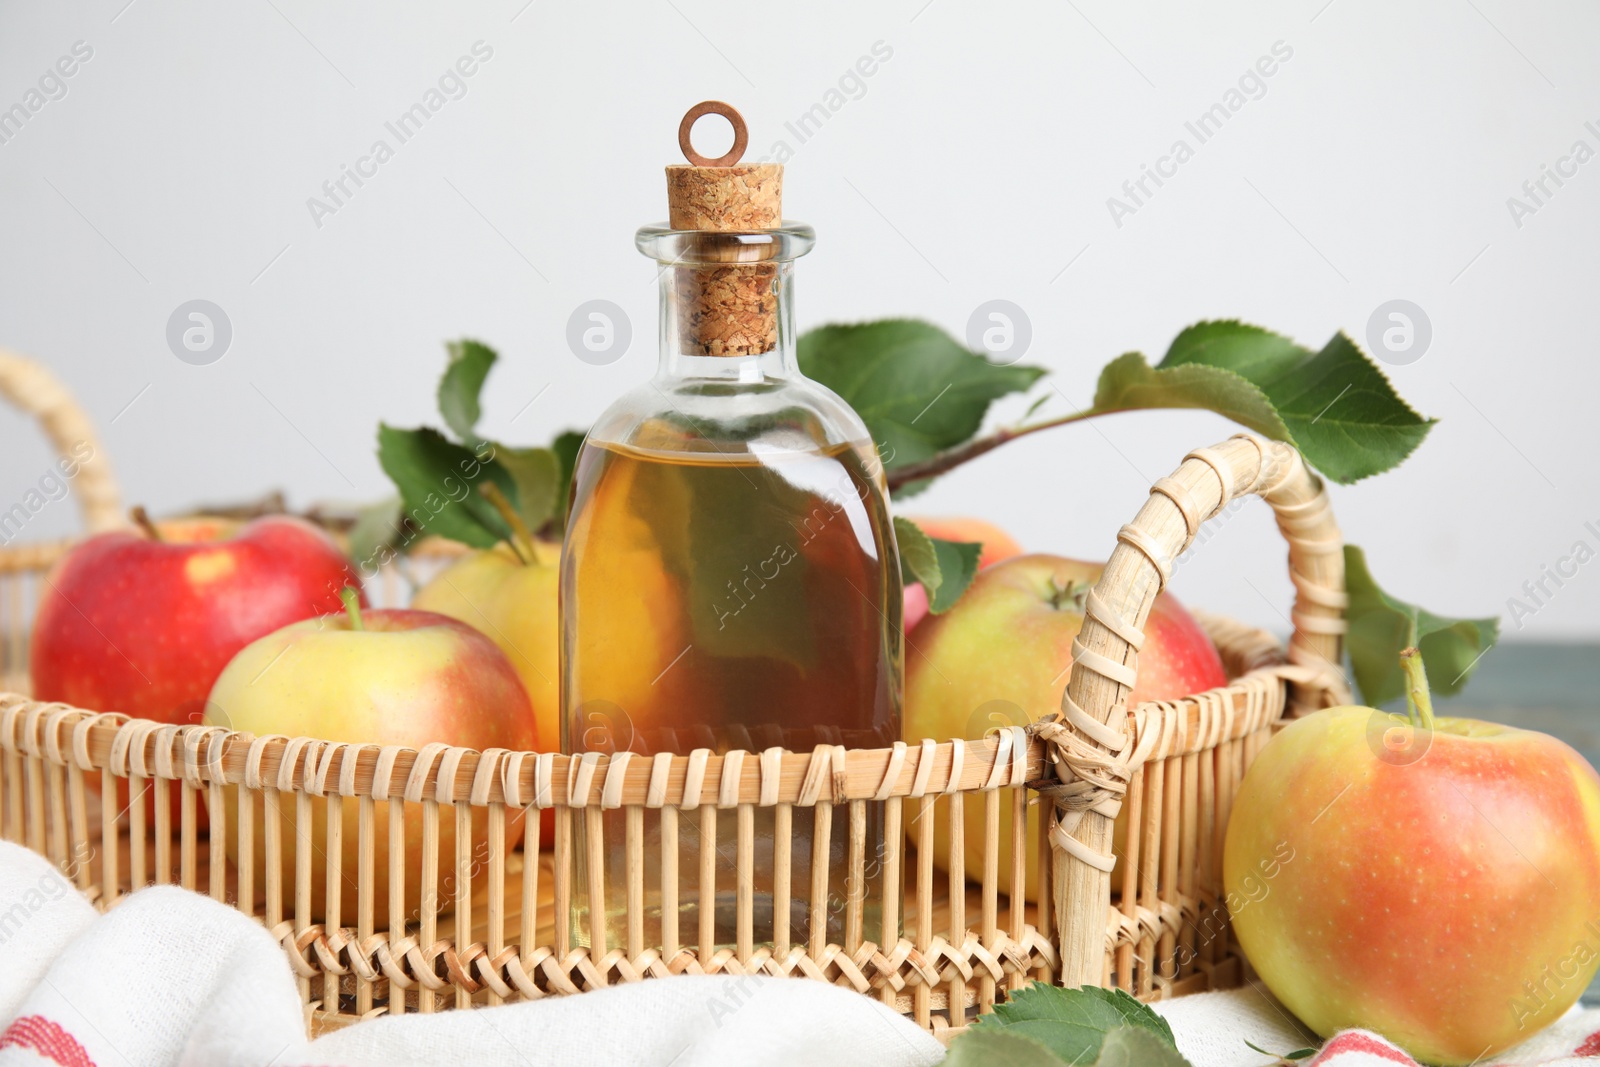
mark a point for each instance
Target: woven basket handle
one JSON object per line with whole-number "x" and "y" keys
{"x": 1105, "y": 658}
{"x": 34, "y": 390}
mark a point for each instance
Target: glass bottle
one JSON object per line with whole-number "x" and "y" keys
{"x": 729, "y": 581}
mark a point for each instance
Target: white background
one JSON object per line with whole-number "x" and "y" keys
{"x": 976, "y": 164}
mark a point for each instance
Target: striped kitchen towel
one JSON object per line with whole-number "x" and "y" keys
{"x": 1217, "y": 1030}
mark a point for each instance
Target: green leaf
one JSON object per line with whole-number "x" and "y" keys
{"x": 1300, "y": 1054}
{"x": 997, "y": 1048}
{"x": 919, "y": 562}
{"x": 918, "y": 389}
{"x": 537, "y": 472}
{"x": 1297, "y": 1054}
{"x": 1044, "y": 1001}
{"x": 438, "y": 482}
{"x": 1072, "y": 1023}
{"x": 377, "y": 528}
{"x": 1252, "y": 352}
{"x": 462, "y": 385}
{"x": 1129, "y": 383}
{"x": 911, "y": 489}
{"x": 565, "y": 446}
{"x": 945, "y": 568}
{"x": 1381, "y": 626}
{"x": 1121, "y": 1045}
{"x": 1336, "y": 405}
{"x": 1132, "y": 1046}
{"x": 958, "y": 563}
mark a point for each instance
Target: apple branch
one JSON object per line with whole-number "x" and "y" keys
{"x": 955, "y": 457}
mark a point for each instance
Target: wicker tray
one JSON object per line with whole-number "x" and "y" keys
{"x": 945, "y": 944}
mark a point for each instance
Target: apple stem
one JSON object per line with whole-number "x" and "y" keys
{"x": 141, "y": 519}
{"x": 1069, "y": 597}
{"x": 521, "y": 539}
{"x": 1417, "y": 695}
{"x": 352, "y": 606}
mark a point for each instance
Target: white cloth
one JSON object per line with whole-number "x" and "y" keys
{"x": 170, "y": 977}
{"x": 686, "y": 1022}
{"x": 40, "y": 913}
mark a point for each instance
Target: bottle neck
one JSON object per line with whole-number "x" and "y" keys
{"x": 748, "y": 349}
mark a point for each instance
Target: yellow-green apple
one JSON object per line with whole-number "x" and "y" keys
{"x": 997, "y": 545}
{"x": 1001, "y": 657}
{"x": 514, "y": 603}
{"x": 143, "y": 622}
{"x": 1438, "y": 883}
{"x": 386, "y": 677}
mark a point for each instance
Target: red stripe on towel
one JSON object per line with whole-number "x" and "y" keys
{"x": 1357, "y": 1041}
{"x": 48, "y": 1039}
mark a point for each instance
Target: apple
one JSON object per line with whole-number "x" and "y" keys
{"x": 385, "y": 677}
{"x": 513, "y": 602}
{"x": 143, "y": 622}
{"x": 1437, "y": 883}
{"x": 997, "y": 545}
{"x": 1001, "y": 657}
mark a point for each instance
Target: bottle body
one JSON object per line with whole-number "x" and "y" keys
{"x": 729, "y": 582}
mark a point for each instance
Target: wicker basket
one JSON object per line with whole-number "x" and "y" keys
{"x": 937, "y": 945}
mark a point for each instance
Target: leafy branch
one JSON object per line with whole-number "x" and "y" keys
{"x": 924, "y": 398}
{"x": 469, "y": 489}
{"x": 1335, "y": 405}
{"x": 1381, "y": 623}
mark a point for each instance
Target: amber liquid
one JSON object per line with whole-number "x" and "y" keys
{"x": 726, "y": 601}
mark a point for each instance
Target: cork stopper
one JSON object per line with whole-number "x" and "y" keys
{"x": 729, "y": 310}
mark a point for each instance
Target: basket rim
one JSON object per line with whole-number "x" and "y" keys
{"x": 207, "y": 755}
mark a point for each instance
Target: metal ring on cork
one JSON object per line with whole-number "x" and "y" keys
{"x": 741, "y": 135}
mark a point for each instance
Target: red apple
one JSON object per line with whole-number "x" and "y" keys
{"x": 131, "y": 623}
{"x": 388, "y": 677}
{"x": 1001, "y": 657}
{"x": 997, "y": 545}
{"x": 1439, "y": 884}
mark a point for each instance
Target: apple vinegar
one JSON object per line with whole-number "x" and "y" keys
{"x": 735, "y": 601}
{"x": 729, "y": 574}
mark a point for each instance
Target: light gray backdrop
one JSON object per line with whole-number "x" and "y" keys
{"x": 975, "y": 162}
